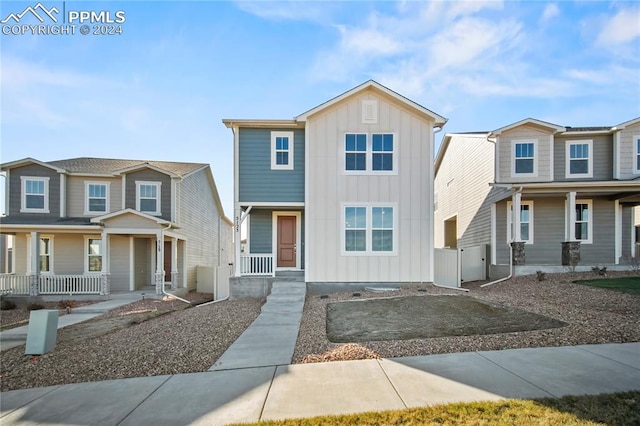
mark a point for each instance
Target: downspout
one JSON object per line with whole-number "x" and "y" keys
{"x": 162, "y": 287}
{"x": 510, "y": 261}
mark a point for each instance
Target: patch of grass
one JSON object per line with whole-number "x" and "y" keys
{"x": 624, "y": 284}
{"x": 611, "y": 409}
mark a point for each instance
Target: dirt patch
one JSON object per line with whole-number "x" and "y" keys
{"x": 416, "y": 317}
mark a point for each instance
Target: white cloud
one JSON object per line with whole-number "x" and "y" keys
{"x": 551, "y": 11}
{"x": 287, "y": 10}
{"x": 622, "y": 28}
{"x": 368, "y": 42}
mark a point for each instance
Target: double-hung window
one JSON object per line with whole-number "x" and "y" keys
{"x": 524, "y": 158}
{"x": 369, "y": 153}
{"x": 526, "y": 222}
{"x": 97, "y": 198}
{"x": 35, "y": 194}
{"x": 93, "y": 254}
{"x": 584, "y": 221}
{"x": 282, "y": 150}
{"x": 148, "y": 197}
{"x": 579, "y": 159}
{"x": 369, "y": 230}
{"x": 46, "y": 255}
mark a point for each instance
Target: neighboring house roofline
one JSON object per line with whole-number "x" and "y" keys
{"x": 556, "y": 128}
{"x": 258, "y": 123}
{"x": 29, "y": 160}
{"x": 144, "y": 165}
{"x": 439, "y": 120}
{"x": 216, "y": 195}
{"x": 444, "y": 145}
{"x": 621, "y": 126}
{"x": 622, "y": 185}
{"x": 159, "y": 221}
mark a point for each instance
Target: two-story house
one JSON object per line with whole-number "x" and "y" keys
{"x": 342, "y": 192}
{"x": 97, "y": 226}
{"x": 574, "y": 188}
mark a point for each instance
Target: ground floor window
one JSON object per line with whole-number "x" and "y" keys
{"x": 584, "y": 221}
{"x": 45, "y": 254}
{"x": 369, "y": 229}
{"x": 93, "y": 261}
{"x": 526, "y": 222}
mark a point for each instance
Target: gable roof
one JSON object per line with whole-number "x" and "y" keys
{"x": 554, "y": 127}
{"x": 371, "y": 84}
{"x": 626, "y": 123}
{"x": 29, "y": 160}
{"x": 89, "y": 165}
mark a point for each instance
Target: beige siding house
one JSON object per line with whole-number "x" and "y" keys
{"x": 575, "y": 189}
{"x": 98, "y": 226}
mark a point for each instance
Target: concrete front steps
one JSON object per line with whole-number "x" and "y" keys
{"x": 271, "y": 339}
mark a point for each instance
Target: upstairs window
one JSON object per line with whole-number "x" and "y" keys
{"x": 35, "y": 195}
{"x": 579, "y": 161}
{"x": 524, "y": 158}
{"x": 282, "y": 150}
{"x": 355, "y": 151}
{"x": 148, "y": 197}
{"x": 97, "y": 200}
{"x": 369, "y": 153}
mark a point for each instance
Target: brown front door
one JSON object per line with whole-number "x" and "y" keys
{"x": 287, "y": 242}
{"x": 167, "y": 261}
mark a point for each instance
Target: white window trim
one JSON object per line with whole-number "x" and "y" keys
{"x": 636, "y": 151}
{"x": 510, "y": 220}
{"x": 86, "y": 253}
{"x": 289, "y": 165}
{"x": 535, "y": 157}
{"x": 369, "y": 230}
{"x": 158, "y": 211}
{"x": 567, "y": 164}
{"x": 369, "y": 155}
{"x": 23, "y": 195}
{"x": 589, "y": 223}
{"x": 51, "y": 257}
{"x": 88, "y": 212}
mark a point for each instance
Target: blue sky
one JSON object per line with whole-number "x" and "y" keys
{"x": 160, "y": 89}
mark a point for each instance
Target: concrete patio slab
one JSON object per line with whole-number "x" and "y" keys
{"x": 94, "y": 403}
{"x": 342, "y": 387}
{"x": 216, "y": 398}
{"x": 567, "y": 370}
{"x": 462, "y": 377}
{"x": 625, "y": 353}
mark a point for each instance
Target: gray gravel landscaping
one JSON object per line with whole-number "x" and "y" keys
{"x": 191, "y": 340}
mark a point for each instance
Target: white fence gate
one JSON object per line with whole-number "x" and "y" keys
{"x": 455, "y": 266}
{"x": 222, "y": 282}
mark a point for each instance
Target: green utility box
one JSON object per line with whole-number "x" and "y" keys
{"x": 42, "y": 332}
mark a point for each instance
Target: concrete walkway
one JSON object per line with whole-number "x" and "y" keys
{"x": 271, "y": 339}
{"x": 302, "y": 390}
{"x": 18, "y": 336}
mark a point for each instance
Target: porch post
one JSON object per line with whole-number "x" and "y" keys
{"x": 34, "y": 265}
{"x": 516, "y": 202}
{"x": 571, "y": 216}
{"x": 174, "y": 263}
{"x": 236, "y": 240}
{"x": 106, "y": 256}
{"x": 159, "y": 262}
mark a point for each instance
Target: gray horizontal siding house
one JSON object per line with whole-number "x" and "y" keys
{"x": 95, "y": 225}
{"x": 341, "y": 192}
{"x": 575, "y": 190}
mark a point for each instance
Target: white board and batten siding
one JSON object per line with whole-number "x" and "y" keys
{"x": 330, "y": 189}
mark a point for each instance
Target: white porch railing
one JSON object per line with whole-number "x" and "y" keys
{"x": 256, "y": 264}
{"x": 52, "y": 284}
{"x": 14, "y": 284}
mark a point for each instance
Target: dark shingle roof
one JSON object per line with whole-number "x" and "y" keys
{"x": 108, "y": 165}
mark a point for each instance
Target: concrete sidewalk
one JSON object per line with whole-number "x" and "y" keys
{"x": 302, "y": 390}
{"x": 18, "y": 336}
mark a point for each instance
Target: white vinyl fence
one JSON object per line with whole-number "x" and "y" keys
{"x": 222, "y": 282}
{"x": 455, "y": 266}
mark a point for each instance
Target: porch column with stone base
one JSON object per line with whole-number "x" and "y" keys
{"x": 518, "y": 254}
{"x": 570, "y": 253}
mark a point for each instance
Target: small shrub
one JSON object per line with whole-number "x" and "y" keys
{"x": 34, "y": 306}
{"x": 541, "y": 275}
{"x": 599, "y": 271}
{"x": 7, "y": 305}
{"x": 634, "y": 263}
